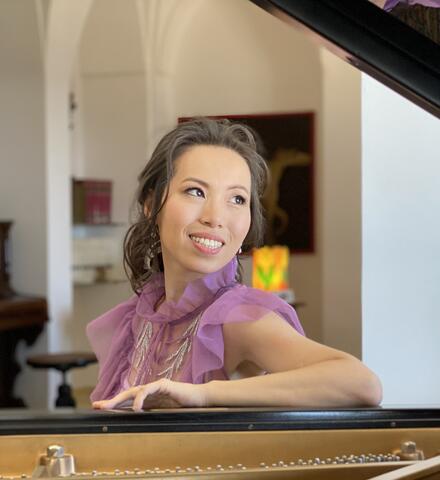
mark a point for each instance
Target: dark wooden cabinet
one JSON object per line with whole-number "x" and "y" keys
{"x": 21, "y": 318}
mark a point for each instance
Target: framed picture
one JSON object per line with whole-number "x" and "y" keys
{"x": 286, "y": 141}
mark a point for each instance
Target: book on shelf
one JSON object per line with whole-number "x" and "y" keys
{"x": 92, "y": 201}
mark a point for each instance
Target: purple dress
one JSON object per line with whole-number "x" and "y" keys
{"x": 136, "y": 344}
{"x": 390, "y": 4}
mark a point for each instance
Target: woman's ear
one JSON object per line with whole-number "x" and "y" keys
{"x": 148, "y": 205}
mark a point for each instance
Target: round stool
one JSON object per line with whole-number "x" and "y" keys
{"x": 63, "y": 362}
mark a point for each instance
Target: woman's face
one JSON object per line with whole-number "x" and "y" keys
{"x": 206, "y": 216}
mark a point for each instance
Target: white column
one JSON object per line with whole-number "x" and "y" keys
{"x": 65, "y": 23}
{"x": 341, "y": 204}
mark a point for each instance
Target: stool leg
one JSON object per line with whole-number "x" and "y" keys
{"x": 65, "y": 397}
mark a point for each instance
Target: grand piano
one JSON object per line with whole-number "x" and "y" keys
{"x": 222, "y": 443}
{"x": 383, "y": 443}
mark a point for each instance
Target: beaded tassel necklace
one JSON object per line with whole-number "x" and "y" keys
{"x": 143, "y": 355}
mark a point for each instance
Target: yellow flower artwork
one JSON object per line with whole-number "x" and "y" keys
{"x": 270, "y": 268}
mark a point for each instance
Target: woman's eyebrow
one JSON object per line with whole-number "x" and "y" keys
{"x": 233, "y": 187}
{"x": 197, "y": 180}
{"x": 206, "y": 185}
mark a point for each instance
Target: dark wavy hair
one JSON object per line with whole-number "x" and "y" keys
{"x": 154, "y": 183}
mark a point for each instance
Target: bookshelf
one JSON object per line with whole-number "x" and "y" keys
{"x": 96, "y": 239}
{"x": 97, "y": 253}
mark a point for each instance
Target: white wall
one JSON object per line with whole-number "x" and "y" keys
{"x": 401, "y": 237}
{"x": 112, "y": 101}
{"x": 22, "y": 167}
{"x": 109, "y": 84}
{"x": 110, "y": 128}
{"x": 22, "y": 152}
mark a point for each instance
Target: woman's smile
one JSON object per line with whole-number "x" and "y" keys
{"x": 206, "y": 243}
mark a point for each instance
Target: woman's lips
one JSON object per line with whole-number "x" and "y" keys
{"x": 207, "y": 244}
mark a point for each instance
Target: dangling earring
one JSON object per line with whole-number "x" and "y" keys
{"x": 240, "y": 250}
{"x": 153, "y": 249}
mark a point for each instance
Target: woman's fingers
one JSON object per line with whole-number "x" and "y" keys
{"x": 117, "y": 399}
{"x": 157, "y": 394}
{"x": 162, "y": 393}
{"x": 151, "y": 395}
{"x": 138, "y": 401}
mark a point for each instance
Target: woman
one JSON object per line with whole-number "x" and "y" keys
{"x": 191, "y": 327}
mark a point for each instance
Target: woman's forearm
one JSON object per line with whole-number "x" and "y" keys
{"x": 333, "y": 383}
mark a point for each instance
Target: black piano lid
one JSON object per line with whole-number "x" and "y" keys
{"x": 373, "y": 41}
{"x": 25, "y": 422}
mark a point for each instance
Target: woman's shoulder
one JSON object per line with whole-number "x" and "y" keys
{"x": 236, "y": 306}
{"x": 242, "y": 303}
{"x": 115, "y": 315}
{"x": 243, "y": 295}
{"x": 112, "y": 326}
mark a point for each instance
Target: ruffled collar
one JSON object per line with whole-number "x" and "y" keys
{"x": 197, "y": 295}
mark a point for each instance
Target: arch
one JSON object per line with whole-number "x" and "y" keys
{"x": 64, "y": 25}
{"x": 163, "y": 24}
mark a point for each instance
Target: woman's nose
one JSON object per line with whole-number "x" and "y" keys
{"x": 212, "y": 214}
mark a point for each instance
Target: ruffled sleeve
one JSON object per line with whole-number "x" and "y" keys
{"x": 111, "y": 338}
{"x": 239, "y": 304}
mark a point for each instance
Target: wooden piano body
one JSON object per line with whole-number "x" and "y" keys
{"x": 230, "y": 443}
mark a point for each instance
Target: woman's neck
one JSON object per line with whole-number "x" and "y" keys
{"x": 176, "y": 283}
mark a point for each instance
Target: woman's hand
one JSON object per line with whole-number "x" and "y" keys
{"x": 163, "y": 393}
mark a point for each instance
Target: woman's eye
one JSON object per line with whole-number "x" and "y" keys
{"x": 195, "y": 192}
{"x": 239, "y": 200}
